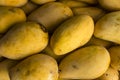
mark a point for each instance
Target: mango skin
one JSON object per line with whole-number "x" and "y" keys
{"x": 29, "y": 7}
{"x": 89, "y": 1}
{"x": 10, "y": 16}
{"x": 73, "y": 33}
{"x": 111, "y": 5}
{"x": 85, "y": 63}
{"x": 23, "y": 40}
{"x": 4, "y": 68}
{"x": 58, "y": 13}
{"x": 99, "y": 42}
{"x": 110, "y": 74}
{"x": 115, "y": 57}
{"x": 73, "y": 3}
{"x": 35, "y": 67}
{"x": 41, "y": 1}
{"x": 108, "y": 27}
{"x": 48, "y": 50}
{"x": 13, "y": 3}
{"x": 95, "y": 12}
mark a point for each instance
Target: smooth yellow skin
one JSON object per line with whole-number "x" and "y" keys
{"x": 35, "y": 67}
{"x": 51, "y": 15}
{"x": 48, "y": 50}
{"x": 98, "y": 42}
{"x": 73, "y": 3}
{"x": 115, "y": 54}
{"x": 74, "y": 79}
{"x": 89, "y": 1}
{"x": 108, "y": 27}
{"x": 4, "y": 68}
{"x": 85, "y": 63}
{"x": 13, "y": 3}
{"x": 73, "y": 33}
{"x": 29, "y": 7}
{"x": 111, "y": 5}
{"x": 42, "y": 1}
{"x": 22, "y": 40}
{"x": 10, "y": 16}
{"x": 94, "y": 12}
{"x": 110, "y": 74}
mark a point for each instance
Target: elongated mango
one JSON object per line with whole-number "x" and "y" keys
{"x": 111, "y": 5}
{"x": 73, "y": 3}
{"x": 10, "y": 16}
{"x": 22, "y": 40}
{"x": 94, "y": 12}
{"x": 89, "y": 1}
{"x": 98, "y": 42}
{"x": 51, "y": 15}
{"x": 35, "y": 67}
{"x": 42, "y": 1}
{"x": 85, "y": 63}
{"x": 73, "y": 33}
{"x": 108, "y": 27}
{"x": 14, "y": 3}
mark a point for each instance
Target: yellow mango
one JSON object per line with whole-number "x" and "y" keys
{"x": 94, "y": 12}
{"x": 10, "y": 16}
{"x": 22, "y": 40}
{"x": 85, "y": 63}
{"x": 73, "y": 33}
{"x": 42, "y": 1}
{"x": 115, "y": 57}
{"x": 108, "y": 27}
{"x": 14, "y": 3}
{"x": 98, "y": 42}
{"x": 35, "y": 67}
{"x": 89, "y": 1}
{"x": 51, "y": 15}
{"x": 110, "y": 74}
{"x": 110, "y": 4}
{"x": 73, "y": 3}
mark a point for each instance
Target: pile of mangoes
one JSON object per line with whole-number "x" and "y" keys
{"x": 59, "y": 39}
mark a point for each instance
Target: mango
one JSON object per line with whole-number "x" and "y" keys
{"x": 111, "y": 5}
{"x": 23, "y": 40}
{"x": 13, "y": 3}
{"x": 73, "y": 33}
{"x": 51, "y": 15}
{"x": 85, "y": 63}
{"x": 10, "y": 16}
{"x": 35, "y": 67}
{"x": 108, "y": 27}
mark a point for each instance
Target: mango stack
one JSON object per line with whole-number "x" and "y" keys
{"x": 59, "y": 39}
